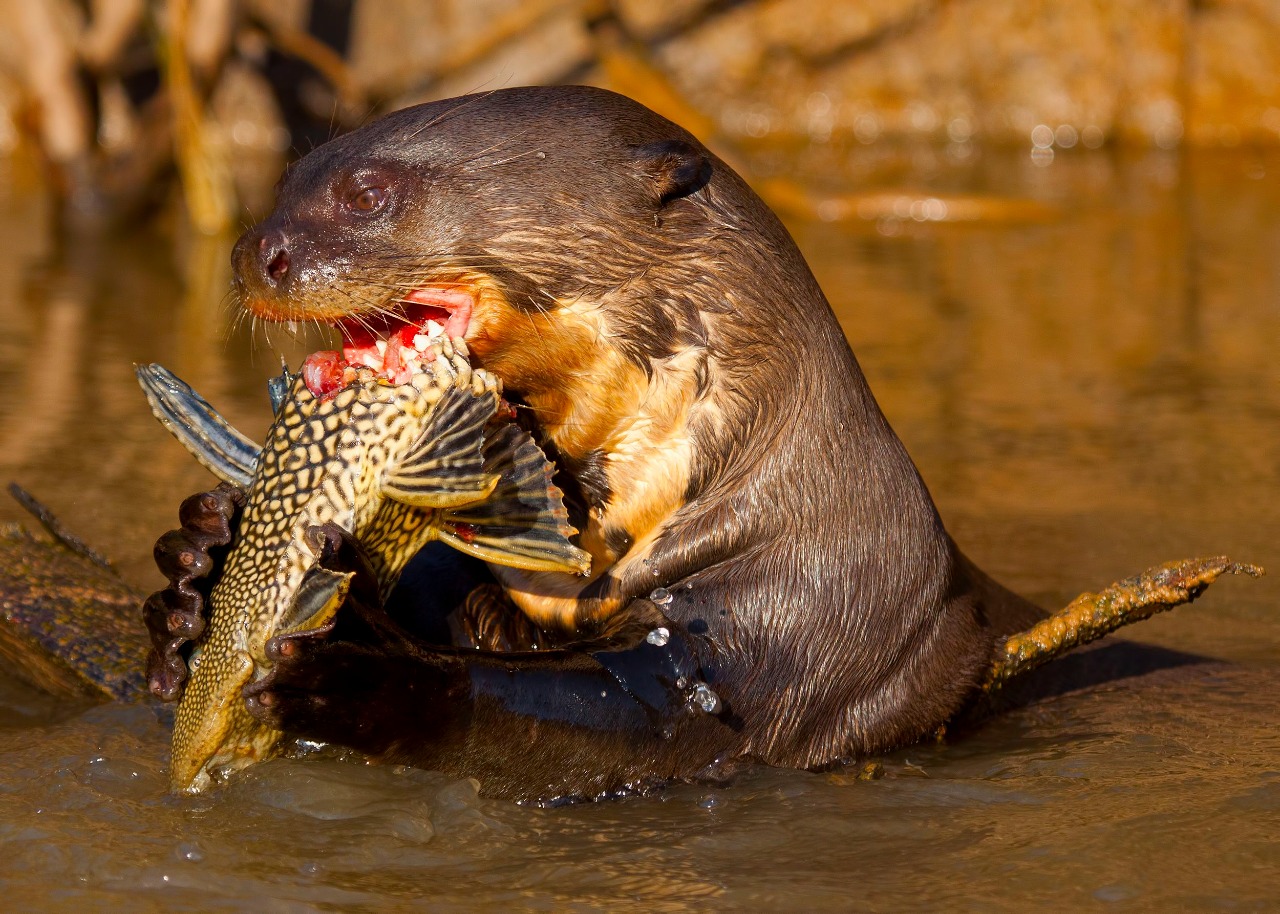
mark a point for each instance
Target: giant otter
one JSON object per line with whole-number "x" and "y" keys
{"x": 737, "y": 486}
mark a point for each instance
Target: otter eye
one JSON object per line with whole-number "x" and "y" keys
{"x": 368, "y": 200}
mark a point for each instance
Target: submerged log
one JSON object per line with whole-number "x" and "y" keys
{"x": 68, "y": 623}
{"x": 1091, "y": 616}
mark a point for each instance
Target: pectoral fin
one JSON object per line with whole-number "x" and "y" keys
{"x": 278, "y": 388}
{"x": 523, "y": 523}
{"x": 221, "y": 449}
{"x": 319, "y": 596}
{"x": 445, "y": 467}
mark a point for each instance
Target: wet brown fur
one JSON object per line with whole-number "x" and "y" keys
{"x": 683, "y": 365}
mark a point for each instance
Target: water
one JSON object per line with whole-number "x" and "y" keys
{"x": 1087, "y": 392}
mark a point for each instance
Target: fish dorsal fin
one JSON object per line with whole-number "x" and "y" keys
{"x": 444, "y": 468}
{"x": 523, "y": 523}
{"x": 221, "y": 449}
{"x": 317, "y": 600}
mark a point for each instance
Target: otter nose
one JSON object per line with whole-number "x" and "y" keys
{"x": 262, "y": 260}
{"x": 273, "y": 258}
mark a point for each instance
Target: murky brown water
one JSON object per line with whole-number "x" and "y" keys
{"x": 1086, "y": 394}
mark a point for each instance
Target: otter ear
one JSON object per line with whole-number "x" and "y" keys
{"x": 675, "y": 167}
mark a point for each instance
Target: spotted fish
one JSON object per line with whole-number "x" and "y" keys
{"x": 396, "y": 462}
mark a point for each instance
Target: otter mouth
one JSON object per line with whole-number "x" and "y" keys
{"x": 394, "y": 342}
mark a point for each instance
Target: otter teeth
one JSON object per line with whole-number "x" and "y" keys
{"x": 431, "y": 331}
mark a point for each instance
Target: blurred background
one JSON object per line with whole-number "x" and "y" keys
{"x": 1051, "y": 232}
{"x": 121, "y": 96}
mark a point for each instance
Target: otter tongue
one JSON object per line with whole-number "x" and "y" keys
{"x": 456, "y": 304}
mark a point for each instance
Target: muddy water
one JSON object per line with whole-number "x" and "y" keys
{"x": 1089, "y": 386}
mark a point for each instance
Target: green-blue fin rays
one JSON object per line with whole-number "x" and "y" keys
{"x": 218, "y": 447}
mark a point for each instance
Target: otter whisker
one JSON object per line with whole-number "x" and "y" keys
{"x": 466, "y": 102}
{"x": 505, "y": 141}
{"x": 506, "y": 161}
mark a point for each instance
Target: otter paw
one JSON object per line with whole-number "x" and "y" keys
{"x": 317, "y": 688}
{"x": 488, "y": 621}
{"x": 295, "y": 678}
{"x": 190, "y": 558}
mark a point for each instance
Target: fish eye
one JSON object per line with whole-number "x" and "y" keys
{"x": 368, "y": 200}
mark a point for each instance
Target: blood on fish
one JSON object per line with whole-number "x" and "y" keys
{"x": 323, "y": 372}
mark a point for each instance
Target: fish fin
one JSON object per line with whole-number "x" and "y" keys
{"x": 523, "y": 523}
{"x": 212, "y": 441}
{"x": 444, "y": 468}
{"x": 317, "y": 600}
{"x": 278, "y": 387}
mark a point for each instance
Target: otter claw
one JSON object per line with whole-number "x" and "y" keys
{"x": 178, "y": 557}
{"x": 260, "y": 701}
{"x": 288, "y": 646}
{"x": 211, "y": 512}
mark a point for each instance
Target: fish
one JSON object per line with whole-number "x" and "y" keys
{"x": 397, "y": 452}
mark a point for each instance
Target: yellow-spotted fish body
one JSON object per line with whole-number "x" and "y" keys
{"x": 394, "y": 465}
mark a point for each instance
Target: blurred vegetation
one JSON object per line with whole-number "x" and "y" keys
{"x": 121, "y": 96}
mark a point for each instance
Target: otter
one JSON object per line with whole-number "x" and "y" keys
{"x": 770, "y": 582}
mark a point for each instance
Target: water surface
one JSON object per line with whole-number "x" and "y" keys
{"x": 1087, "y": 392}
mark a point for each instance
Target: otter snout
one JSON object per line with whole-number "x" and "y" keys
{"x": 262, "y": 261}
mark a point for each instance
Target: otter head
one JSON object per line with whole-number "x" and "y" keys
{"x": 594, "y": 256}
{"x": 504, "y": 217}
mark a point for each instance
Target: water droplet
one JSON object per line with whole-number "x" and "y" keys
{"x": 710, "y": 801}
{"x": 706, "y": 699}
{"x": 681, "y": 682}
{"x": 688, "y": 585}
{"x": 661, "y": 596}
{"x": 659, "y": 636}
{"x": 190, "y": 852}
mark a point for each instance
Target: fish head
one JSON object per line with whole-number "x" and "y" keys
{"x": 214, "y": 734}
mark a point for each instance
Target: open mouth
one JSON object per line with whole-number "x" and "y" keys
{"x": 394, "y": 343}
